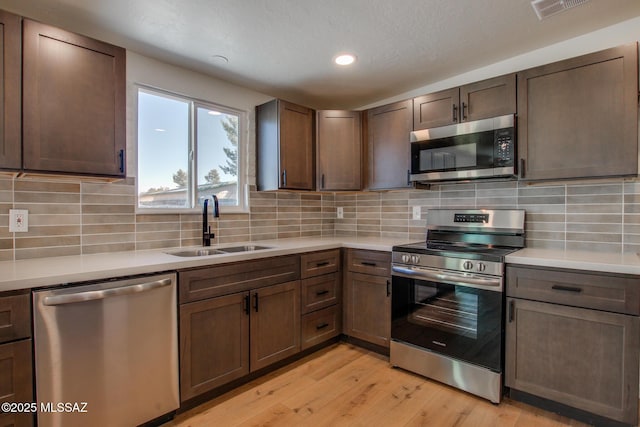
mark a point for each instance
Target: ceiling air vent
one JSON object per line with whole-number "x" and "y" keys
{"x": 547, "y": 8}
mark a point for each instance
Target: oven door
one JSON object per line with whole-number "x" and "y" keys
{"x": 439, "y": 312}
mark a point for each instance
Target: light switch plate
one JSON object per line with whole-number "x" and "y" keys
{"x": 416, "y": 212}
{"x": 340, "y": 212}
{"x": 18, "y": 220}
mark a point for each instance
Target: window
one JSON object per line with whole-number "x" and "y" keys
{"x": 187, "y": 151}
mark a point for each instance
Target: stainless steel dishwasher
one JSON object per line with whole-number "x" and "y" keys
{"x": 106, "y": 353}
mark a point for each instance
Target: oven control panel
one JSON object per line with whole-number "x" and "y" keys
{"x": 474, "y": 218}
{"x": 449, "y": 263}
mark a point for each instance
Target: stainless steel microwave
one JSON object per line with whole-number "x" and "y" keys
{"x": 470, "y": 150}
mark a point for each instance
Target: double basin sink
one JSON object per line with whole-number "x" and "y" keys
{"x": 218, "y": 251}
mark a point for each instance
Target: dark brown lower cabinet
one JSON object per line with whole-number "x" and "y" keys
{"x": 368, "y": 311}
{"x": 16, "y": 382}
{"x": 225, "y": 338}
{"x": 583, "y": 358}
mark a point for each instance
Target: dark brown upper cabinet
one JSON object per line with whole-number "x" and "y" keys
{"x": 285, "y": 146}
{"x": 10, "y": 61}
{"x": 339, "y": 150}
{"x": 578, "y": 118}
{"x": 481, "y": 100}
{"x": 388, "y": 147}
{"x": 73, "y": 103}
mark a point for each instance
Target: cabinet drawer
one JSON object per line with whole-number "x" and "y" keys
{"x": 600, "y": 291}
{"x": 201, "y": 283}
{"x": 321, "y": 325}
{"x": 318, "y": 263}
{"x": 319, "y": 292}
{"x": 369, "y": 262}
{"x": 15, "y": 317}
{"x": 16, "y": 381}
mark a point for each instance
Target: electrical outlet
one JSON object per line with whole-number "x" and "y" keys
{"x": 18, "y": 220}
{"x": 340, "y": 212}
{"x": 416, "y": 212}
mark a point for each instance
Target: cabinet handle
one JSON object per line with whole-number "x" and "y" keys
{"x": 522, "y": 163}
{"x": 455, "y": 113}
{"x": 388, "y": 287}
{"x": 255, "y": 301}
{"x": 408, "y": 177}
{"x": 322, "y": 326}
{"x": 369, "y": 264}
{"x": 464, "y": 115}
{"x": 511, "y": 310}
{"x": 322, "y": 264}
{"x": 318, "y": 293}
{"x": 566, "y": 288}
{"x": 246, "y": 304}
{"x": 121, "y": 157}
{"x": 284, "y": 177}
{"x": 322, "y": 185}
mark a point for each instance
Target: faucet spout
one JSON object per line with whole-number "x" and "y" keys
{"x": 206, "y": 229}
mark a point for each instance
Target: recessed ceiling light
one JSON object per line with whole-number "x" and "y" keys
{"x": 219, "y": 59}
{"x": 345, "y": 59}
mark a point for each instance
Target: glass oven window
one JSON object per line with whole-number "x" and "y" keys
{"x": 446, "y": 308}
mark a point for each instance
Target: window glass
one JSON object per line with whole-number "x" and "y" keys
{"x": 187, "y": 151}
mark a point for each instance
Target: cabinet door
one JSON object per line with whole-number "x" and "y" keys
{"x": 73, "y": 103}
{"x": 16, "y": 381}
{"x": 368, "y": 308}
{"x": 436, "y": 109}
{"x": 389, "y": 150}
{"x": 586, "y": 359}
{"x": 297, "y": 167}
{"x": 275, "y": 323}
{"x": 339, "y": 150}
{"x": 579, "y": 118}
{"x": 488, "y": 98}
{"x": 214, "y": 340}
{"x": 10, "y": 139}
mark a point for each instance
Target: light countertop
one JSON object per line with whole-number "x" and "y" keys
{"x": 577, "y": 260}
{"x": 32, "y": 273}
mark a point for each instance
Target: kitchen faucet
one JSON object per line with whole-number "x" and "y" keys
{"x": 207, "y": 235}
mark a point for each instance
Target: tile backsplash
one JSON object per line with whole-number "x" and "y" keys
{"x": 71, "y": 218}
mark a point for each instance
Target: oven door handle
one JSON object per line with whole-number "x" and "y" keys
{"x": 459, "y": 279}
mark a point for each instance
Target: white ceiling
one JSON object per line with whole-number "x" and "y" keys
{"x": 284, "y": 48}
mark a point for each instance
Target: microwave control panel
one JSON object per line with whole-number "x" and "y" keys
{"x": 503, "y": 146}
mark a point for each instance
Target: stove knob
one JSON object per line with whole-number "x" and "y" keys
{"x": 467, "y": 265}
{"x": 415, "y": 259}
{"x": 481, "y": 266}
{"x": 405, "y": 258}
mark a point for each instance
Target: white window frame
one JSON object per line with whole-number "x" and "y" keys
{"x": 194, "y": 103}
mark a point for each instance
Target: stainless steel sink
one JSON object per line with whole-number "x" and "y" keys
{"x": 196, "y": 252}
{"x": 243, "y": 248}
{"x": 219, "y": 251}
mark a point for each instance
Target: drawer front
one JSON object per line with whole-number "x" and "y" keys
{"x": 320, "y": 292}
{"x": 600, "y": 291}
{"x": 321, "y": 325}
{"x": 369, "y": 262}
{"x": 16, "y": 381}
{"x": 201, "y": 283}
{"x": 319, "y": 263}
{"x": 15, "y": 317}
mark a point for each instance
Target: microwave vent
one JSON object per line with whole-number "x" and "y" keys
{"x": 547, "y": 8}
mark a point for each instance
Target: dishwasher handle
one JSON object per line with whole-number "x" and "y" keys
{"x": 104, "y": 293}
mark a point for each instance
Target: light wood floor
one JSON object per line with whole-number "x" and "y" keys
{"x": 344, "y": 385}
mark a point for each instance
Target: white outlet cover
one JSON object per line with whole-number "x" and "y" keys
{"x": 416, "y": 212}
{"x": 340, "y": 212}
{"x": 18, "y": 220}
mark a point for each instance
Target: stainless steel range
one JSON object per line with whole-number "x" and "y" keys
{"x": 448, "y": 298}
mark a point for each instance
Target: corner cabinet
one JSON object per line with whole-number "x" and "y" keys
{"x": 10, "y": 88}
{"x": 73, "y": 103}
{"x": 573, "y": 338}
{"x": 285, "y": 146}
{"x": 578, "y": 118}
{"x": 388, "y": 147}
{"x": 481, "y": 100}
{"x": 339, "y": 150}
